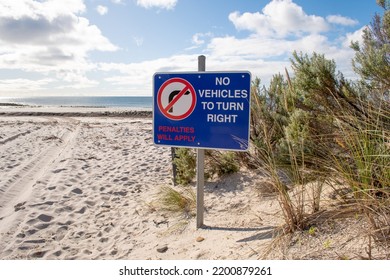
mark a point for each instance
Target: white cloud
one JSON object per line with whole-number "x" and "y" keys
{"x": 196, "y": 39}
{"x": 263, "y": 55}
{"x": 49, "y": 38}
{"x": 139, "y": 41}
{"x": 75, "y": 79}
{"x": 135, "y": 78}
{"x": 34, "y": 9}
{"x": 279, "y": 29}
{"x": 265, "y": 52}
{"x": 279, "y": 18}
{"x": 15, "y": 85}
{"x": 164, "y": 4}
{"x": 356, "y": 36}
{"x": 256, "y": 52}
{"x": 337, "y": 19}
{"x": 199, "y": 38}
{"x": 55, "y": 41}
{"x": 102, "y": 10}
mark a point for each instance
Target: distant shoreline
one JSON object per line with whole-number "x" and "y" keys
{"x": 141, "y": 114}
{"x": 12, "y": 104}
{"x": 10, "y": 109}
{"x": 125, "y": 102}
{"x": 7, "y": 104}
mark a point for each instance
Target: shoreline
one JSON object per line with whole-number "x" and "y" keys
{"x": 74, "y": 111}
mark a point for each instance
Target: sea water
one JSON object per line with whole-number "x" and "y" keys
{"x": 83, "y": 101}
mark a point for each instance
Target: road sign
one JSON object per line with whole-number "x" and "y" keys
{"x": 202, "y": 110}
{"x": 176, "y": 99}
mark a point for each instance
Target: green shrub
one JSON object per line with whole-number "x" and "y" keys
{"x": 216, "y": 162}
{"x": 180, "y": 200}
{"x": 318, "y": 127}
{"x": 185, "y": 161}
{"x": 221, "y": 163}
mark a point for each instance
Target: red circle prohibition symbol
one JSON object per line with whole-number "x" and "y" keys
{"x": 167, "y": 98}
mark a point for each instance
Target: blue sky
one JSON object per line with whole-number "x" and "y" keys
{"x": 113, "y": 47}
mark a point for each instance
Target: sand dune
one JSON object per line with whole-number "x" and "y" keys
{"x": 76, "y": 186}
{"x": 84, "y": 188}
{"x": 60, "y": 177}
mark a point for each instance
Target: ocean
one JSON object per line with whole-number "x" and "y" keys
{"x": 84, "y": 101}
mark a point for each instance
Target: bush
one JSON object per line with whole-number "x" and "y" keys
{"x": 221, "y": 163}
{"x": 185, "y": 161}
{"x": 317, "y": 126}
{"x": 181, "y": 200}
{"x": 216, "y": 162}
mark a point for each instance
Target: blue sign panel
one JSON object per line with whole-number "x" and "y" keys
{"x": 202, "y": 110}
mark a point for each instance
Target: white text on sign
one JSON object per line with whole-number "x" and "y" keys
{"x": 224, "y": 106}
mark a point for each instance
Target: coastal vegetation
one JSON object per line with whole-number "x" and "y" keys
{"x": 312, "y": 129}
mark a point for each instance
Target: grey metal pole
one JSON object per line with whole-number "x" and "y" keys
{"x": 200, "y": 166}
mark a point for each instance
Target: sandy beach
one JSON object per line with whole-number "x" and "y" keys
{"x": 82, "y": 187}
{"x": 84, "y": 184}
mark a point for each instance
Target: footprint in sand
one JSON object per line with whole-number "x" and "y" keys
{"x": 42, "y": 226}
{"x": 38, "y": 255}
{"x": 59, "y": 170}
{"x": 77, "y": 191}
{"x": 61, "y": 232}
{"x": 20, "y": 206}
{"x": 82, "y": 210}
{"x": 103, "y": 239}
{"x": 57, "y": 253}
{"x": 31, "y": 231}
{"x": 45, "y": 218}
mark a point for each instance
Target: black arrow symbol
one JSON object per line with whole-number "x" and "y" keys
{"x": 172, "y": 95}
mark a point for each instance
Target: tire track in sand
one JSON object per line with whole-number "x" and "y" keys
{"x": 15, "y": 192}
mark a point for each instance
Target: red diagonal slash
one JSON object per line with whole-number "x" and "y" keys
{"x": 175, "y": 99}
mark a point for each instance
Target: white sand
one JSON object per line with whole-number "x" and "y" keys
{"x": 85, "y": 188}
{"x": 76, "y": 187}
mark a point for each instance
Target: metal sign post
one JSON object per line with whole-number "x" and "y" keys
{"x": 200, "y": 166}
